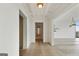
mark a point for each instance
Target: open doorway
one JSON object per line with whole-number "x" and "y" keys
{"x": 20, "y": 32}
{"x": 39, "y": 32}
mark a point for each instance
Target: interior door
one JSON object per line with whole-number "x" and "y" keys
{"x": 20, "y": 32}
{"x": 39, "y": 32}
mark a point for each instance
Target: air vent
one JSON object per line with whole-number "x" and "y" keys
{"x": 3, "y": 54}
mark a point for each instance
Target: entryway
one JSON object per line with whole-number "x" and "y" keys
{"x": 20, "y": 32}
{"x": 39, "y": 32}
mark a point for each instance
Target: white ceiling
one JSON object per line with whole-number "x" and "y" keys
{"x": 51, "y": 10}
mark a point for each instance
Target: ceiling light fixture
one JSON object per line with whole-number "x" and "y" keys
{"x": 40, "y": 5}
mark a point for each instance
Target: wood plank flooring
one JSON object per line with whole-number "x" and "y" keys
{"x": 40, "y": 49}
{"x": 69, "y": 47}
{"x": 62, "y": 48}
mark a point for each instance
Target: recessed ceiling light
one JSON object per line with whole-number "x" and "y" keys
{"x": 40, "y": 5}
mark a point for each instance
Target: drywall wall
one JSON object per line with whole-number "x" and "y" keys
{"x": 52, "y": 32}
{"x": 49, "y": 34}
{"x": 49, "y": 29}
{"x": 9, "y": 29}
{"x": 63, "y": 22}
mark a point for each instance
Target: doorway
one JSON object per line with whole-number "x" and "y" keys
{"x": 20, "y": 32}
{"x": 39, "y": 32}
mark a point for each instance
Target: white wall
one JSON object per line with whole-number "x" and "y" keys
{"x": 52, "y": 32}
{"x": 49, "y": 34}
{"x": 63, "y": 22}
{"x": 9, "y": 28}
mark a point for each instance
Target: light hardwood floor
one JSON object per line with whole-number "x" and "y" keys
{"x": 61, "y": 48}
{"x": 40, "y": 49}
{"x": 69, "y": 47}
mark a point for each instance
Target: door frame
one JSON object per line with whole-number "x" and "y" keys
{"x": 21, "y": 21}
{"x": 24, "y": 32}
{"x": 42, "y": 30}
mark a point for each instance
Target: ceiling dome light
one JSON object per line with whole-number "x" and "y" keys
{"x": 40, "y": 5}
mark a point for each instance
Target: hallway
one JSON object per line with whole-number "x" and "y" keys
{"x": 57, "y": 28}
{"x": 45, "y": 25}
